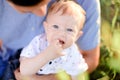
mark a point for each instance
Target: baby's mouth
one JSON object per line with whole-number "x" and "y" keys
{"x": 61, "y": 42}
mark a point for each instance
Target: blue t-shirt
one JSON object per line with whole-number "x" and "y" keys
{"x": 17, "y": 29}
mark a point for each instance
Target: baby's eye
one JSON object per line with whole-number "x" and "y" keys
{"x": 56, "y": 26}
{"x": 70, "y": 30}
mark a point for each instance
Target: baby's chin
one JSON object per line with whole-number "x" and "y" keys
{"x": 65, "y": 46}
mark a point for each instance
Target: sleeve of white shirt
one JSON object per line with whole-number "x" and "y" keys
{"x": 76, "y": 63}
{"x": 32, "y": 49}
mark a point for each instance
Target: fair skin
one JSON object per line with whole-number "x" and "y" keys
{"x": 91, "y": 56}
{"x": 67, "y": 33}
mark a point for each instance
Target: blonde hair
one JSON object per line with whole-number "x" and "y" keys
{"x": 69, "y": 8}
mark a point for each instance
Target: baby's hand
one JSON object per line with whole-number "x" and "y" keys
{"x": 55, "y": 49}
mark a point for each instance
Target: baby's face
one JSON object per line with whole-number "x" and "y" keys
{"x": 62, "y": 28}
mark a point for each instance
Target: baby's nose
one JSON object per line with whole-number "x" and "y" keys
{"x": 62, "y": 34}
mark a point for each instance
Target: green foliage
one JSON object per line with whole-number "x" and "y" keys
{"x": 83, "y": 76}
{"x": 110, "y": 10}
{"x": 109, "y": 67}
{"x": 104, "y": 71}
{"x": 62, "y": 76}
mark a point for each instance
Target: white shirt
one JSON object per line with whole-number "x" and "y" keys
{"x": 72, "y": 63}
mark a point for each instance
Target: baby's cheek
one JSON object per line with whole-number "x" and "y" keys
{"x": 69, "y": 43}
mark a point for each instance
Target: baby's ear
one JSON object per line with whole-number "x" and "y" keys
{"x": 79, "y": 34}
{"x": 45, "y": 24}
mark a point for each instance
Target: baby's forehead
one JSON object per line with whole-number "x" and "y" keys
{"x": 63, "y": 16}
{"x": 67, "y": 19}
{"x": 63, "y": 20}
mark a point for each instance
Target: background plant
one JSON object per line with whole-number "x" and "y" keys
{"x": 109, "y": 67}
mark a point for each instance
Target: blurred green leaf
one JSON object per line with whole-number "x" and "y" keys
{"x": 115, "y": 17}
{"x": 63, "y": 76}
{"x": 104, "y": 78}
{"x": 83, "y": 76}
{"x": 115, "y": 64}
{"x": 106, "y": 34}
{"x": 115, "y": 45}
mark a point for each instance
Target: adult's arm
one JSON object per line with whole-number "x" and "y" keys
{"x": 92, "y": 58}
{"x": 89, "y": 41}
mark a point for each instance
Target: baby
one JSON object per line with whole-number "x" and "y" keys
{"x": 56, "y": 49}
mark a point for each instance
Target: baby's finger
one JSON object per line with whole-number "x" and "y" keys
{"x": 59, "y": 44}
